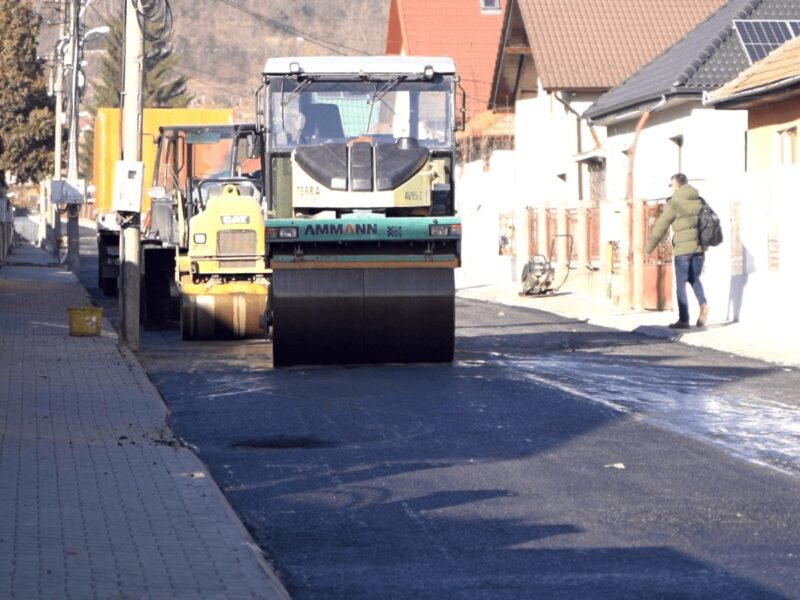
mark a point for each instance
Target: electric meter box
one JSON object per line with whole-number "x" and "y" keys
{"x": 128, "y": 178}
{"x": 67, "y": 191}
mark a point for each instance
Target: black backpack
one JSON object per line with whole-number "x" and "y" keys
{"x": 709, "y": 229}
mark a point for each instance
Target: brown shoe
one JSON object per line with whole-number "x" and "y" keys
{"x": 679, "y": 325}
{"x": 701, "y": 320}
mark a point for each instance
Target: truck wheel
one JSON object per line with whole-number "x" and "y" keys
{"x": 188, "y": 315}
{"x": 101, "y": 260}
{"x": 109, "y": 286}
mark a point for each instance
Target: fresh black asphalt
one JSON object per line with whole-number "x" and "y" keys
{"x": 492, "y": 478}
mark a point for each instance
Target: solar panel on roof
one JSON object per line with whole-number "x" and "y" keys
{"x": 759, "y": 38}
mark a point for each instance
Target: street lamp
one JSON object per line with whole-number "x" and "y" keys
{"x": 96, "y": 32}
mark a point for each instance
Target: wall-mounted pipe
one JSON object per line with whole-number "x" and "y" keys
{"x": 632, "y": 150}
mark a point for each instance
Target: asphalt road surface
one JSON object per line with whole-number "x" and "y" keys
{"x": 553, "y": 459}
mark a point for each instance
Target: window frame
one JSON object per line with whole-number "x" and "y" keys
{"x": 491, "y": 6}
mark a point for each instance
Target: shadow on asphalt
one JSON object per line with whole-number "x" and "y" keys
{"x": 471, "y": 480}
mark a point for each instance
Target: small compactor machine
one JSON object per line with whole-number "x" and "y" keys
{"x": 208, "y": 214}
{"x": 362, "y": 232}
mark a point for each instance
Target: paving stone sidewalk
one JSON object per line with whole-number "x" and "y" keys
{"x": 98, "y": 499}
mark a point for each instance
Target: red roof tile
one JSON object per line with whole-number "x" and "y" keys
{"x": 455, "y": 28}
{"x": 596, "y": 44}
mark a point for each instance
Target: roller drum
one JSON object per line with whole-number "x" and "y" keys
{"x": 220, "y": 317}
{"x": 351, "y": 316}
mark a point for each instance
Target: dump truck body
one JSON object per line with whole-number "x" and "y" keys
{"x": 107, "y": 150}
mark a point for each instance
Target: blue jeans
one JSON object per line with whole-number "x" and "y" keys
{"x": 687, "y": 270}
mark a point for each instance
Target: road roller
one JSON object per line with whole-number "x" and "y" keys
{"x": 362, "y": 232}
{"x": 208, "y": 211}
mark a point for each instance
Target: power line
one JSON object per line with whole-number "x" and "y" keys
{"x": 212, "y": 83}
{"x": 475, "y": 80}
{"x": 482, "y": 100}
{"x": 154, "y": 11}
{"x": 294, "y": 31}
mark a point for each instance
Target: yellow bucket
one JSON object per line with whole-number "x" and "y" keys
{"x": 85, "y": 321}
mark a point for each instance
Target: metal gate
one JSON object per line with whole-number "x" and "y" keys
{"x": 573, "y": 230}
{"x": 593, "y": 236}
{"x": 548, "y": 247}
{"x": 657, "y": 273}
{"x": 533, "y": 231}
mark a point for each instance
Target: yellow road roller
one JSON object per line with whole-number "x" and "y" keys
{"x": 208, "y": 209}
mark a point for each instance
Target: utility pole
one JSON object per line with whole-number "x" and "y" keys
{"x": 73, "y": 227}
{"x": 58, "y": 90}
{"x": 129, "y": 251}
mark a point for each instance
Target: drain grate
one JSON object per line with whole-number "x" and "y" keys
{"x": 284, "y": 443}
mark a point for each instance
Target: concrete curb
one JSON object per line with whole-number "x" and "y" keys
{"x": 249, "y": 542}
{"x": 269, "y": 570}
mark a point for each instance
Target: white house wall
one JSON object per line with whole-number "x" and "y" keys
{"x": 759, "y": 211}
{"x": 546, "y": 173}
{"x": 532, "y": 148}
{"x": 762, "y": 283}
{"x": 482, "y": 197}
{"x": 546, "y": 144}
{"x": 740, "y": 280}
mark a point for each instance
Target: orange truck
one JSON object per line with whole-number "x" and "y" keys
{"x": 108, "y": 150}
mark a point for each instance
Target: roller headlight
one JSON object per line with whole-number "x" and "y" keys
{"x": 282, "y": 233}
{"x": 199, "y": 238}
{"x": 445, "y": 230}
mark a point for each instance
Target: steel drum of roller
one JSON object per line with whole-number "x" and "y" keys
{"x": 356, "y": 316}
{"x": 223, "y": 316}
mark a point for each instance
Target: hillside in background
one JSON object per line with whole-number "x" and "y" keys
{"x": 224, "y": 55}
{"x": 222, "y": 49}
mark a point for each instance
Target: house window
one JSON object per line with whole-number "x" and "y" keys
{"x": 490, "y": 6}
{"x": 788, "y": 146}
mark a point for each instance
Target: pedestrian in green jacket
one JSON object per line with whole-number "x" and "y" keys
{"x": 681, "y": 212}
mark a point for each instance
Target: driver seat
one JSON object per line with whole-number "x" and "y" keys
{"x": 323, "y": 121}
{"x": 225, "y": 190}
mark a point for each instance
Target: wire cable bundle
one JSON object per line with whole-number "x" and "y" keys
{"x": 155, "y": 19}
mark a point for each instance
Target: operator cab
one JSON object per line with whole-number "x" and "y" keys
{"x": 196, "y": 162}
{"x": 382, "y": 127}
